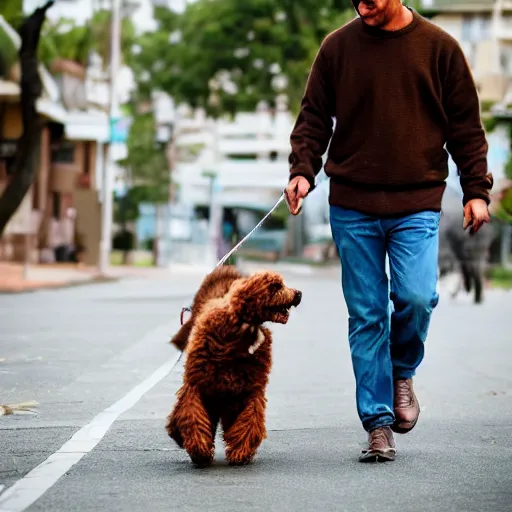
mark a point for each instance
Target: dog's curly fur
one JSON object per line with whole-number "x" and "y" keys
{"x": 215, "y": 285}
{"x": 225, "y": 379}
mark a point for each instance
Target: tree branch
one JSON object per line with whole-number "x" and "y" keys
{"x": 27, "y": 150}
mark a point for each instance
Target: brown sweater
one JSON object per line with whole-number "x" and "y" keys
{"x": 398, "y": 98}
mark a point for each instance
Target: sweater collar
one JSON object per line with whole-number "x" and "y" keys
{"x": 390, "y": 34}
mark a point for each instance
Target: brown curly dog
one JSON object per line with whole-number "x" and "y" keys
{"x": 228, "y": 364}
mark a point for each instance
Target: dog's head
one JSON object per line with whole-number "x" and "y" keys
{"x": 263, "y": 297}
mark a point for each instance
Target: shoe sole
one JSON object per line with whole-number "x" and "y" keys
{"x": 403, "y": 430}
{"x": 378, "y": 457}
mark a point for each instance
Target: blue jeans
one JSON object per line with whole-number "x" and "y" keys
{"x": 385, "y": 346}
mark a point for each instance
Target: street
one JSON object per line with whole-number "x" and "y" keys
{"x": 97, "y": 356}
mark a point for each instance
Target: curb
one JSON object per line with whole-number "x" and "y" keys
{"x": 60, "y": 286}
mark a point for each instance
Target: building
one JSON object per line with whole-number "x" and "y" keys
{"x": 62, "y": 206}
{"x": 228, "y": 174}
{"x": 483, "y": 28}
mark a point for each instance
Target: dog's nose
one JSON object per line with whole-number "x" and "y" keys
{"x": 297, "y": 298}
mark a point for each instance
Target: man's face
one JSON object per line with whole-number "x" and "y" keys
{"x": 376, "y": 13}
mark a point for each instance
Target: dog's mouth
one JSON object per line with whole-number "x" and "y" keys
{"x": 279, "y": 313}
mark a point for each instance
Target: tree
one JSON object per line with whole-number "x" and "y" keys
{"x": 64, "y": 39}
{"x": 227, "y": 55}
{"x": 126, "y": 210}
{"x": 147, "y": 168}
{"x": 26, "y": 159}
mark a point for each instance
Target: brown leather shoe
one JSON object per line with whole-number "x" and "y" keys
{"x": 381, "y": 446}
{"x": 406, "y": 407}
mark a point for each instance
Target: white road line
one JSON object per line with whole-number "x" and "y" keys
{"x": 35, "y": 483}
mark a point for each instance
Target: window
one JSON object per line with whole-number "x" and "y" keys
{"x": 476, "y": 28}
{"x": 63, "y": 152}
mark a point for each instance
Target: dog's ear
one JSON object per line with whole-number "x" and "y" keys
{"x": 243, "y": 295}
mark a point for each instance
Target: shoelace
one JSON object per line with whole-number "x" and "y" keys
{"x": 404, "y": 395}
{"x": 378, "y": 436}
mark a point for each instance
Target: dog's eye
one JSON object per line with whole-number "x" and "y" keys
{"x": 275, "y": 287}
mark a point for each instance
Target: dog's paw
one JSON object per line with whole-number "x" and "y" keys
{"x": 201, "y": 460}
{"x": 241, "y": 462}
{"x": 239, "y": 459}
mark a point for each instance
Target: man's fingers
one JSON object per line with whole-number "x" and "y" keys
{"x": 291, "y": 198}
{"x": 468, "y": 217}
{"x": 295, "y": 193}
{"x": 302, "y": 188}
{"x": 475, "y": 227}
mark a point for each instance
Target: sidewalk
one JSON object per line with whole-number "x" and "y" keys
{"x": 39, "y": 277}
{"x": 60, "y": 275}
{"x": 63, "y": 275}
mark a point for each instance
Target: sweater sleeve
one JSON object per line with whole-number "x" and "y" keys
{"x": 314, "y": 125}
{"x": 466, "y": 142}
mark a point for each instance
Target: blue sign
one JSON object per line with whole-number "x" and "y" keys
{"x": 119, "y": 128}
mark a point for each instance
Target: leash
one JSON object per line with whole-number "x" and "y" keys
{"x": 238, "y": 245}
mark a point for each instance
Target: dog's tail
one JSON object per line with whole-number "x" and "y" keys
{"x": 180, "y": 339}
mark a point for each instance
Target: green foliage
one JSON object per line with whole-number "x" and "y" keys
{"x": 8, "y": 53}
{"x": 500, "y": 277}
{"x": 124, "y": 240}
{"x": 66, "y": 40}
{"x": 506, "y": 204}
{"x": 12, "y": 11}
{"x": 126, "y": 208}
{"x": 227, "y": 55}
{"x": 146, "y": 162}
{"x": 490, "y": 123}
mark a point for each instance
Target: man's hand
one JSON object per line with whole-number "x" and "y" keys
{"x": 476, "y": 213}
{"x": 295, "y": 193}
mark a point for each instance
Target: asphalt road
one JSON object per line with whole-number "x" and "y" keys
{"x": 96, "y": 357}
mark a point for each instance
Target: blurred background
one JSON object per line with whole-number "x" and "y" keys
{"x": 165, "y": 132}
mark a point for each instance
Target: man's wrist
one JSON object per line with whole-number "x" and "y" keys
{"x": 295, "y": 173}
{"x": 475, "y": 195}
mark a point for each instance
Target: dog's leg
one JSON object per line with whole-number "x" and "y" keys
{"x": 243, "y": 433}
{"x": 190, "y": 426}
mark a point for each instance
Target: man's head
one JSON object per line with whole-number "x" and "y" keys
{"x": 378, "y": 13}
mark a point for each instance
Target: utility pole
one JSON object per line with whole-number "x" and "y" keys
{"x": 108, "y": 174}
{"x": 216, "y": 209}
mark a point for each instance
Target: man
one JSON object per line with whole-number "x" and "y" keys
{"x": 400, "y": 89}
